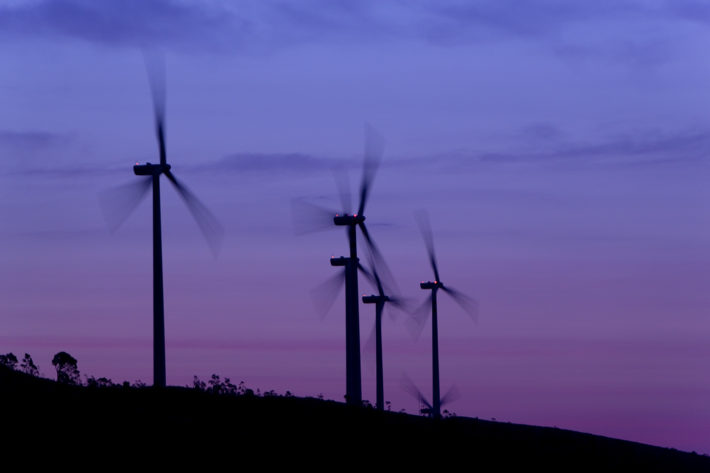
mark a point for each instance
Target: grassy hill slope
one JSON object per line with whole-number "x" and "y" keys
{"x": 181, "y": 422}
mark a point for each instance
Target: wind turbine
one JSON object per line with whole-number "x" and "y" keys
{"x": 118, "y": 203}
{"x": 374, "y": 148}
{"x": 451, "y": 395}
{"x": 380, "y": 299}
{"x": 325, "y": 294}
{"x": 467, "y": 303}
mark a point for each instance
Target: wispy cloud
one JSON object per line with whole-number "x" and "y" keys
{"x": 537, "y": 143}
{"x": 541, "y": 143}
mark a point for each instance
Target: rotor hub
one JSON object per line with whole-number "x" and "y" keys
{"x": 431, "y": 285}
{"x": 346, "y": 219}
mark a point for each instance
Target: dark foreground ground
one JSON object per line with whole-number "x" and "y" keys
{"x": 75, "y": 425}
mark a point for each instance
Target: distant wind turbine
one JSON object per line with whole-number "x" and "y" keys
{"x": 118, "y": 203}
{"x": 425, "y": 407}
{"x": 467, "y": 303}
{"x": 380, "y": 299}
{"x": 374, "y": 148}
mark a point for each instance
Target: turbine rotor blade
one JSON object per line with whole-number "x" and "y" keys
{"x": 468, "y": 304}
{"x": 378, "y": 260}
{"x": 325, "y": 294}
{"x": 425, "y": 227}
{"x": 409, "y": 386}
{"x": 310, "y": 218}
{"x": 397, "y": 303}
{"x": 209, "y": 225}
{"x": 451, "y": 395}
{"x": 155, "y": 67}
{"x": 342, "y": 182}
{"x": 390, "y": 313}
{"x": 374, "y": 149}
{"x": 118, "y": 203}
{"x": 375, "y": 276}
{"x": 419, "y": 317}
{"x": 366, "y": 272}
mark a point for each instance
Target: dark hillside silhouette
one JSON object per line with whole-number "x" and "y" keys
{"x": 121, "y": 421}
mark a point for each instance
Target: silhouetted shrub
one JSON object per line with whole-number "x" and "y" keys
{"x": 28, "y": 366}
{"x": 67, "y": 371}
{"x": 9, "y": 360}
{"x": 198, "y": 384}
{"x": 216, "y": 385}
{"x": 242, "y": 389}
{"x": 92, "y": 382}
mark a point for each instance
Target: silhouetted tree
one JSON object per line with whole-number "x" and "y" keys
{"x": 67, "y": 372}
{"x": 9, "y": 360}
{"x": 28, "y": 366}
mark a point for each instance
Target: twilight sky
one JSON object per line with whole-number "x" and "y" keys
{"x": 561, "y": 148}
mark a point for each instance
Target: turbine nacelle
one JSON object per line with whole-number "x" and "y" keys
{"x": 431, "y": 285}
{"x": 149, "y": 169}
{"x": 346, "y": 219}
{"x": 373, "y": 299}
{"x": 339, "y": 261}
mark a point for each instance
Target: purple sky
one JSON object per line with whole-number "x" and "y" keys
{"x": 560, "y": 147}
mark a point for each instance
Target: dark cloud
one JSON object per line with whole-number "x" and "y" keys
{"x": 191, "y": 25}
{"x": 126, "y": 22}
{"x": 541, "y": 18}
{"x": 679, "y": 146}
{"x": 257, "y": 162}
{"x": 542, "y": 132}
{"x": 41, "y": 153}
{"x": 24, "y": 142}
{"x": 692, "y": 10}
{"x": 226, "y": 26}
{"x": 61, "y": 172}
